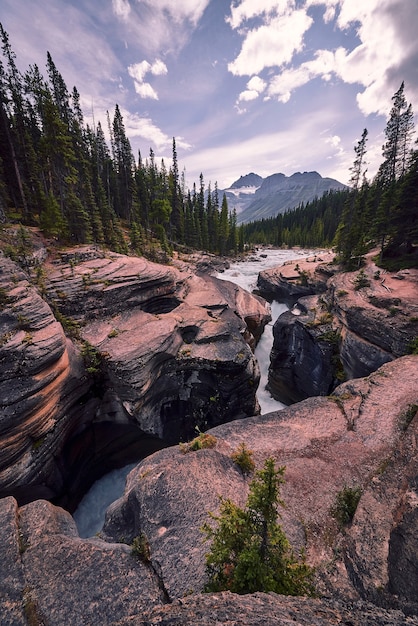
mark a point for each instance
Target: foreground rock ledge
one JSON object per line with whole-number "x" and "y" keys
{"x": 365, "y": 435}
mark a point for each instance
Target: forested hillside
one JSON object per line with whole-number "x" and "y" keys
{"x": 58, "y": 172}
{"x": 63, "y": 175}
{"x": 382, "y": 212}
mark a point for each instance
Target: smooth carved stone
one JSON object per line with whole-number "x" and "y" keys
{"x": 362, "y": 436}
{"x": 344, "y": 333}
{"x": 173, "y": 351}
{"x": 355, "y": 438}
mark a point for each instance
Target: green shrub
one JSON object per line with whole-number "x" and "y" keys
{"x": 243, "y": 457}
{"x": 140, "y": 548}
{"x": 249, "y": 550}
{"x": 345, "y": 505}
{"x": 361, "y": 280}
{"x": 203, "y": 440}
{"x": 413, "y": 346}
{"x": 93, "y": 358}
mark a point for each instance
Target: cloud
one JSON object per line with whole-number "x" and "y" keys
{"x": 164, "y": 26}
{"x": 272, "y": 44}
{"x": 284, "y": 151}
{"x": 145, "y": 128}
{"x": 385, "y": 50}
{"x": 249, "y": 9}
{"x": 255, "y": 87}
{"x": 121, "y": 8}
{"x": 138, "y": 71}
{"x": 282, "y": 85}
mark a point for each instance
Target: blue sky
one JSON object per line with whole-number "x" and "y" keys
{"x": 259, "y": 86}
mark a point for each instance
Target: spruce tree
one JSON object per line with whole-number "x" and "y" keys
{"x": 249, "y": 549}
{"x": 350, "y": 234}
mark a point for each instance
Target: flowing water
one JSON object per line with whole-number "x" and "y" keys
{"x": 90, "y": 513}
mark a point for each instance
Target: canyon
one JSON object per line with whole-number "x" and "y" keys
{"x": 106, "y": 358}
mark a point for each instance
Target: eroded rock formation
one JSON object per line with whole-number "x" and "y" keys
{"x": 364, "y": 436}
{"x": 154, "y": 352}
{"x": 362, "y": 320}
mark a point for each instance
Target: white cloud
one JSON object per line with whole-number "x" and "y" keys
{"x": 138, "y": 71}
{"x": 257, "y": 83}
{"x": 255, "y": 86}
{"x": 145, "y": 128}
{"x": 179, "y": 10}
{"x": 249, "y": 94}
{"x": 248, "y": 9}
{"x": 145, "y": 90}
{"x": 386, "y": 51}
{"x": 121, "y": 8}
{"x": 272, "y": 44}
{"x": 158, "y": 68}
{"x": 282, "y": 85}
{"x": 285, "y": 151}
{"x": 165, "y": 25}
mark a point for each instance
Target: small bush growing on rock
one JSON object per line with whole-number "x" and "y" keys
{"x": 250, "y": 551}
{"x": 243, "y": 457}
{"x": 140, "y": 548}
{"x": 203, "y": 440}
{"x": 93, "y": 358}
{"x": 408, "y": 416}
{"x": 345, "y": 505}
{"x": 413, "y": 346}
{"x": 361, "y": 280}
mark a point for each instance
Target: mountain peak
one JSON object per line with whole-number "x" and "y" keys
{"x": 249, "y": 180}
{"x": 256, "y": 198}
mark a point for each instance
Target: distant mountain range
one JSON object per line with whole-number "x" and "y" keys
{"x": 255, "y": 198}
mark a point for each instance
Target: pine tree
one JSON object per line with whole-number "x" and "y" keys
{"x": 224, "y": 227}
{"x": 249, "y": 550}
{"x": 350, "y": 233}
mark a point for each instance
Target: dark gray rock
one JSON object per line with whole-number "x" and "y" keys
{"x": 303, "y": 358}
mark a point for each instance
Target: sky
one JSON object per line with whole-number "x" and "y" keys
{"x": 262, "y": 86}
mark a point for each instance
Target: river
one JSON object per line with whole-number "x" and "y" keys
{"x": 90, "y": 513}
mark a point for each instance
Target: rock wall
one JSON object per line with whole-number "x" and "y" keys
{"x": 151, "y": 353}
{"x": 346, "y": 332}
{"x": 363, "y": 436}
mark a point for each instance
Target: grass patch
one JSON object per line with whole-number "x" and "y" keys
{"x": 243, "y": 457}
{"x": 203, "y": 440}
{"x": 140, "y": 548}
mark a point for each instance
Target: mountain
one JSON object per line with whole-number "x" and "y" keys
{"x": 256, "y": 198}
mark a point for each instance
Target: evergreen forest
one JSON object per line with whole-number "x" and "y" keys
{"x": 380, "y": 213}
{"x": 79, "y": 184}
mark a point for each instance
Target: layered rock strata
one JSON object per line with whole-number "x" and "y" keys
{"x": 362, "y": 437}
{"x": 149, "y": 353}
{"x": 362, "y": 320}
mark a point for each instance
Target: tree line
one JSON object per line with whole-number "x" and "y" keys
{"x": 382, "y": 212}
{"x": 61, "y": 174}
